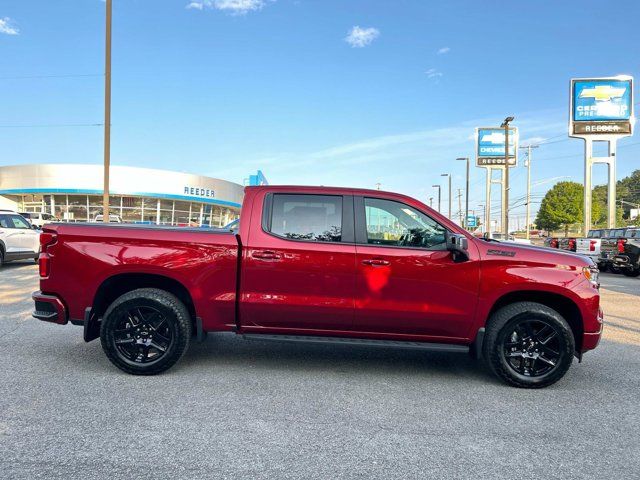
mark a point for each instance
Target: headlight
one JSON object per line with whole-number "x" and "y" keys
{"x": 591, "y": 273}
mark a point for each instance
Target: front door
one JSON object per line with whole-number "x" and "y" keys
{"x": 407, "y": 282}
{"x": 298, "y": 267}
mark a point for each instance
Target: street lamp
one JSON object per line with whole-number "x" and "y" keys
{"x": 431, "y": 202}
{"x": 466, "y": 195}
{"x": 439, "y": 190}
{"x": 448, "y": 175}
{"x": 505, "y": 200}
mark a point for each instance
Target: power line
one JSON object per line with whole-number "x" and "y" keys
{"x": 68, "y": 75}
{"x": 49, "y": 125}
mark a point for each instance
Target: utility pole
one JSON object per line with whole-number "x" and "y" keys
{"x": 448, "y": 175}
{"x": 528, "y": 226}
{"x": 484, "y": 224}
{"x": 431, "y": 202}
{"x": 439, "y": 191}
{"x": 466, "y": 206}
{"x": 107, "y": 114}
{"x": 460, "y": 206}
{"x": 505, "y": 199}
{"x": 378, "y": 185}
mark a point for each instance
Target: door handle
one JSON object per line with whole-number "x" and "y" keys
{"x": 266, "y": 255}
{"x": 375, "y": 262}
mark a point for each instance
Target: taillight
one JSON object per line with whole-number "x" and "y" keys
{"x": 554, "y": 243}
{"x": 572, "y": 244}
{"x": 592, "y": 246}
{"x": 44, "y": 259}
{"x": 44, "y": 263}
{"x": 621, "y": 242}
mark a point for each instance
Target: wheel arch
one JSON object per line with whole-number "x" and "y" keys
{"x": 563, "y": 305}
{"x": 119, "y": 284}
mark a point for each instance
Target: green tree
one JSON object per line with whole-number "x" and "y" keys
{"x": 561, "y": 207}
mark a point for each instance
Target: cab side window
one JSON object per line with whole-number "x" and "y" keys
{"x": 20, "y": 222}
{"x": 399, "y": 225}
{"x": 316, "y": 218}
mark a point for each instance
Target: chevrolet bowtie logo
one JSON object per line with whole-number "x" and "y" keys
{"x": 496, "y": 138}
{"x": 602, "y": 92}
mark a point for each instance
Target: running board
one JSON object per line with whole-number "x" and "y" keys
{"x": 363, "y": 342}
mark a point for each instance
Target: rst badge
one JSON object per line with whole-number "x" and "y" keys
{"x": 601, "y": 106}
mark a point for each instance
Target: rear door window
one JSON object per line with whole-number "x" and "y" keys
{"x": 315, "y": 218}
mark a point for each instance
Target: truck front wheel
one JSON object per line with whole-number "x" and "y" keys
{"x": 528, "y": 345}
{"x": 145, "y": 331}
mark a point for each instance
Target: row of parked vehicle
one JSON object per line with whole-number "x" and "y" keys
{"x": 613, "y": 249}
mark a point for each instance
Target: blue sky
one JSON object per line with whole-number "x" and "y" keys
{"x": 224, "y": 87}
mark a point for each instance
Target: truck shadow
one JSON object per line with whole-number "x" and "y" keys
{"x": 228, "y": 351}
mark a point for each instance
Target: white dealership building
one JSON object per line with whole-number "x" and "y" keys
{"x": 73, "y": 193}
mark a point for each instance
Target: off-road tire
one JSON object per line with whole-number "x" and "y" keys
{"x": 500, "y": 326}
{"x": 175, "y": 313}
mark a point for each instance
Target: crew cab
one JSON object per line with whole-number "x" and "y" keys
{"x": 322, "y": 265}
{"x": 627, "y": 259}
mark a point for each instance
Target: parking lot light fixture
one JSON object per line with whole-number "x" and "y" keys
{"x": 448, "y": 175}
{"x": 439, "y": 191}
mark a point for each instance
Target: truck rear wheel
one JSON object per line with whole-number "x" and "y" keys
{"x": 528, "y": 345}
{"x": 632, "y": 272}
{"x": 145, "y": 331}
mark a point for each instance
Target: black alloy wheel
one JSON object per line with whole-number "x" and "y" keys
{"x": 528, "y": 345}
{"x": 533, "y": 348}
{"x": 146, "y": 331}
{"x": 142, "y": 335}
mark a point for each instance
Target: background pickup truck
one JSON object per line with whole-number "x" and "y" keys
{"x": 311, "y": 264}
{"x": 627, "y": 260}
{"x": 590, "y": 245}
{"x": 610, "y": 246}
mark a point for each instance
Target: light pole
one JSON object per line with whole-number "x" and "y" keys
{"x": 460, "y": 207}
{"x": 448, "y": 175}
{"x": 529, "y": 147}
{"x": 439, "y": 191}
{"x": 107, "y": 114}
{"x": 505, "y": 199}
{"x": 466, "y": 195}
{"x": 431, "y": 202}
{"x": 484, "y": 223}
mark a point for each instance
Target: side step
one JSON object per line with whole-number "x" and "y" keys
{"x": 363, "y": 342}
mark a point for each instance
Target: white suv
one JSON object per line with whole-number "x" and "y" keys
{"x": 18, "y": 240}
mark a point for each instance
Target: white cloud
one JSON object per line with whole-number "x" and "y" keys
{"x": 7, "y": 26}
{"x": 234, "y": 7}
{"x": 361, "y": 37}
{"x": 433, "y": 73}
{"x": 443, "y": 50}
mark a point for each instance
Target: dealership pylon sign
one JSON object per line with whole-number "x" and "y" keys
{"x": 490, "y": 154}
{"x": 601, "y": 109}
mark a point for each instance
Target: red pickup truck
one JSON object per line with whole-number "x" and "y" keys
{"x": 316, "y": 264}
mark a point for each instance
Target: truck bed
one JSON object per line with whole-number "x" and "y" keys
{"x": 88, "y": 256}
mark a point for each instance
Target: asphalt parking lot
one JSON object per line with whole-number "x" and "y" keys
{"x": 234, "y": 409}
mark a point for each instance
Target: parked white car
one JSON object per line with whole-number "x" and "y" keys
{"x": 112, "y": 218}
{"x": 18, "y": 240}
{"x": 39, "y": 219}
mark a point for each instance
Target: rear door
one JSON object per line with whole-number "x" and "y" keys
{"x": 27, "y": 238}
{"x": 407, "y": 281}
{"x": 298, "y": 266}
